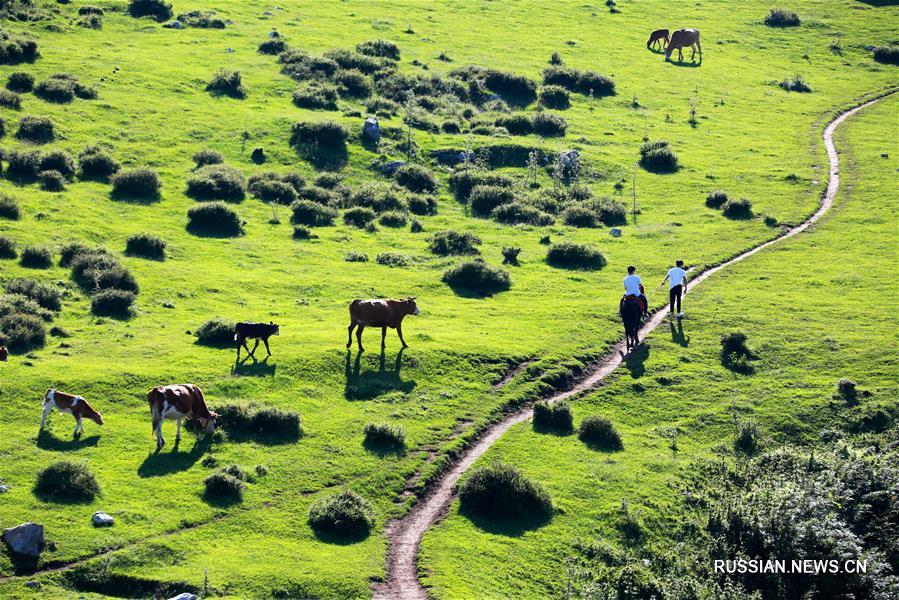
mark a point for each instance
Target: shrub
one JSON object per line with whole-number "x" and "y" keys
{"x": 216, "y": 218}
{"x": 46, "y": 296}
{"x": 422, "y": 204}
{"x": 91, "y": 21}
{"x": 208, "y": 157}
{"x": 22, "y": 332}
{"x": 735, "y": 354}
{"x": 250, "y": 419}
{"x": 416, "y": 226}
{"x": 477, "y": 276}
{"x": 217, "y": 182}
{"x": 500, "y": 491}
{"x": 748, "y": 439}
{"x": 484, "y": 198}
{"x": 60, "y": 161}
{"x": 657, "y": 157}
{"x": 609, "y": 211}
{"x": 516, "y": 124}
{"x": 347, "y": 59}
{"x": 737, "y": 209}
{"x": 56, "y": 89}
{"x": 312, "y": 214}
{"x": 112, "y": 302}
{"x": 158, "y": 9}
{"x": 273, "y": 190}
{"x": 887, "y": 54}
{"x": 345, "y": 514}
{"x": 453, "y": 243}
{"x": 450, "y": 126}
{"x": 216, "y": 332}
{"x": 10, "y": 100}
{"x": 553, "y": 417}
{"x": 272, "y": 46}
{"x": 382, "y": 435}
{"x": 52, "y": 181}
{"x": 392, "y": 259}
{"x": 223, "y": 486}
{"x": 141, "y": 184}
{"x": 9, "y": 208}
{"x": 359, "y": 216}
{"x": 416, "y": 178}
{"x": 69, "y": 252}
{"x": 7, "y": 248}
{"x": 22, "y": 164}
{"x": 377, "y": 197}
{"x": 316, "y": 95}
{"x": 203, "y": 19}
{"x": 510, "y": 255}
{"x": 328, "y": 181}
{"x": 380, "y": 48}
{"x": 355, "y": 256}
{"x": 95, "y": 270}
{"x": 67, "y": 481}
{"x": 847, "y": 390}
{"x": 20, "y": 82}
{"x": 716, "y": 199}
{"x": 95, "y": 163}
{"x": 554, "y": 96}
{"x": 779, "y": 17}
{"x": 36, "y": 257}
{"x": 38, "y": 130}
{"x": 353, "y": 84}
{"x": 797, "y": 84}
{"x": 569, "y": 255}
{"x": 145, "y": 245}
{"x": 319, "y": 196}
{"x": 598, "y": 432}
{"x": 14, "y": 50}
{"x": 578, "y": 215}
{"x": 462, "y": 182}
{"x": 393, "y": 219}
{"x": 323, "y": 134}
{"x": 583, "y": 82}
{"x": 518, "y": 213}
{"x": 17, "y": 304}
{"x": 227, "y": 82}
{"x": 549, "y": 124}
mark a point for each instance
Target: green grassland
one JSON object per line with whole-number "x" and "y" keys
{"x": 798, "y": 303}
{"x": 152, "y": 108}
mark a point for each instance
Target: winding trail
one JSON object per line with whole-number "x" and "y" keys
{"x": 404, "y": 535}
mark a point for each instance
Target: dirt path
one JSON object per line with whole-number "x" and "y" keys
{"x": 404, "y": 536}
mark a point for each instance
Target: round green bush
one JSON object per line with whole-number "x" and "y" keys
{"x": 355, "y": 256}
{"x": 22, "y": 332}
{"x": 10, "y": 100}
{"x": 582, "y": 82}
{"x": 72, "y": 250}
{"x": 737, "y": 209}
{"x": 273, "y": 190}
{"x": 463, "y": 181}
{"x": 416, "y": 178}
{"x": 67, "y": 481}
{"x": 217, "y": 182}
{"x": 250, "y": 419}
{"x": 22, "y": 164}
{"x": 312, "y": 214}
{"x": 316, "y": 95}
{"x": 160, "y": 10}
{"x": 9, "y": 208}
{"x": 779, "y": 17}
{"x": 46, "y": 295}
{"x": 214, "y": 218}
{"x": 477, "y": 276}
{"x": 38, "y": 130}
{"x": 20, "y": 82}
{"x": 516, "y": 124}
{"x": 377, "y": 197}
{"x": 554, "y": 96}
{"x": 578, "y": 215}
{"x": 569, "y": 255}
{"x": 94, "y": 162}
{"x": 223, "y": 486}
{"x": 145, "y": 245}
{"x": 112, "y": 302}
{"x": 383, "y": 436}
{"x": 319, "y": 196}
{"x": 393, "y": 219}
{"x": 60, "y": 161}
{"x": 359, "y": 216}
{"x": 7, "y": 248}
{"x": 217, "y": 332}
{"x": 327, "y": 135}
{"x": 380, "y": 48}
{"x": 453, "y": 243}
{"x": 344, "y": 514}
{"x": 484, "y": 198}
{"x": 353, "y": 84}
{"x": 392, "y": 259}
{"x": 420, "y": 204}
{"x": 138, "y": 184}
{"x": 547, "y": 124}
{"x": 716, "y": 199}
{"x": 60, "y": 90}
{"x": 227, "y": 82}
{"x": 657, "y": 157}
{"x": 501, "y": 491}
{"x": 17, "y": 304}
{"x": 553, "y": 416}
{"x": 52, "y": 181}
{"x": 519, "y": 213}
{"x": 598, "y": 432}
{"x": 887, "y": 54}
{"x": 36, "y": 257}
{"x": 272, "y": 46}
{"x": 208, "y": 157}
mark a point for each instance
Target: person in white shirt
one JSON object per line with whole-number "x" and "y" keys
{"x": 633, "y": 286}
{"x": 677, "y": 280}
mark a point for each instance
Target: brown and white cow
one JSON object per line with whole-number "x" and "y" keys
{"x": 178, "y": 402}
{"x": 72, "y": 405}
{"x": 4, "y": 354}
{"x": 379, "y": 313}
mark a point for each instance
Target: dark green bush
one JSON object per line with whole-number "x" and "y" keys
{"x": 36, "y": 257}
{"x": 22, "y": 164}
{"x": 328, "y": 181}
{"x": 547, "y": 124}
{"x": 553, "y": 416}
{"x": 416, "y": 178}
{"x": 44, "y": 294}
{"x": 569, "y": 255}
{"x": 56, "y": 89}
{"x": 7, "y": 248}
{"x": 10, "y": 100}
{"x": 380, "y": 48}
{"x": 9, "y": 208}
{"x": 316, "y": 95}
{"x": 251, "y": 419}
{"x": 598, "y": 432}
{"x": 657, "y": 157}
{"x": 359, "y": 216}
{"x": 85, "y": 92}
{"x": 383, "y": 436}
{"x": 422, "y": 204}
{"x": 583, "y": 82}
{"x": 748, "y": 439}
{"x": 52, "y": 181}
{"x": 797, "y": 84}
{"x": 217, "y": 332}
{"x": 273, "y": 190}
{"x": 463, "y": 181}
{"x": 136, "y": 184}
{"x": 519, "y": 213}
{"x": 377, "y": 197}
{"x": 319, "y": 196}
{"x": 112, "y": 302}
{"x": 15, "y": 50}
{"x": 214, "y": 218}
{"x": 846, "y": 390}
{"x": 90, "y": 10}
{"x": 60, "y": 161}
{"x": 393, "y": 219}
{"x": 312, "y": 214}
{"x": 554, "y": 96}
{"x": 344, "y": 514}
{"x": 779, "y": 17}
{"x": 272, "y": 46}
{"x": 735, "y": 354}
{"x": 70, "y": 251}
{"x": 578, "y": 215}
{"x": 38, "y": 130}
{"x": 477, "y": 276}
{"x": 227, "y": 82}
{"x": 94, "y": 162}
{"x": 22, "y": 332}
{"x": 202, "y": 19}
{"x": 91, "y": 21}
{"x": 20, "y": 82}
{"x": 158, "y": 9}
{"x": 355, "y": 256}
{"x": 716, "y": 199}
{"x": 326, "y": 135}
{"x": 353, "y": 84}
{"x": 887, "y": 54}
{"x": 208, "y": 157}
{"x": 347, "y": 59}
{"x": 484, "y": 198}
{"x": 217, "y": 182}
{"x": 67, "y": 482}
{"x": 96, "y": 270}
{"x": 453, "y": 243}
{"x": 145, "y": 245}
{"x": 516, "y": 123}
{"x": 222, "y": 486}
{"x": 737, "y": 209}
{"x": 513, "y": 88}
{"x": 392, "y": 259}
{"x": 17, "y": 304}
{"x": 500, "y": 491}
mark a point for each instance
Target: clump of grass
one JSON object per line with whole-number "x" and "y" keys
{"x": 554, "y": 96}
{"x": 796, "y": 84}
{"x": 570, "y": 255}
{"x": 716, "y": 199}
{"x": 214, "y": 218}
{"x": 56, "y": 89}
{"x": 8, "y": 248}
{"x": 67, "y": 481}
{"x": 582, "y": 82}
{"x": 15, "y": 50}
{"x": 355, "y": 256}
{"x": 416, "y": 178}
{"x": 251, "y": 419}
{"x": 45, "y": 295}
{"x": 275, "y": 45}
{"x": 485, "y": 198}
{"x": 136, "y": 184}
{"x": 519, "y": 213}
{"x": 60, "y": 161}
{"x": 383, "y": 436}
{"x": 510, "y": 255}
{"x": 345, "y": 514}
{"x": 312, "y": 214}
{"x": 778, "y": 17}
{"x": 207, "y": 157}
{"x": 748, "y": 440}
{"x": 500, "y": 491}
{"x": 38, "y": 130}
{"x": 22, "y": 164}
{"x": 227, "y": 82}
{"x": 658, "y": 157}
{"x": 160, "y": 10}
{"x": 202, "y": 19}
{"x": 359, "y": 216}
{"x": 20, "y": 82}
{"x": 302, "y": 233}
{"x": 735, "y": 354}
{"x": 10, "y": 100}
{"x": 737, "y": 209}
{"x": 379, "y": 48}
{"x": 94, "y": 162}
{"x": 217, "y": 182}
{"x": 416, "y": 226}
{"x": 453, "y": 243}
{"x": 392, "y": 259}
{"x": 316, "y": 95}
{"x": 52, "y": 181}
{"x": 113, "y": 302}
{"x": 223, "y": 486}
{"x": 421, "y": 204}
{"x": 477, "y": 276}
{"x": 887, "y": 54}
{"x": 217, "y": 332}
{"x": 847, "y": 390}
{"x": 393, "y": 219}
{"x": 548, "y": 124}
{"x": 553, "y": 416}
{"x": 36, "y": 257}
{"x": 21, "y": 332}
{"x": 146, "y": 245}
{"x": 598, "y": 432}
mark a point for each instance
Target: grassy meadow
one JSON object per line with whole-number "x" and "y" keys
{"x": 750, "y": 138}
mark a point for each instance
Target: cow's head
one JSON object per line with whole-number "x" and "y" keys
{"x": 97, "y": 418}
{"x": 276, "y": 329}
{"x": 411, "y": 307}
{"x": 207, "y": 424}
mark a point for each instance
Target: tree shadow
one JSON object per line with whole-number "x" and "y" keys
{"x": 258, "y": 368}
{"x": 365, "y": 385}
{"x": 634, "y": 361}
{"x": 677, "y": 334}
{"x": 138, "y": 199}
{"x": 158, "y": 464}
{"x": 507, "y": 526}
{"x": 48, "y": 441}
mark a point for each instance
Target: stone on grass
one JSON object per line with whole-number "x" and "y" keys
{"x": 184, "y": 596}
{"x": 389, "y": 168}
{"x": 101, "y": 519}
{"x": 25, "y": 540}
{"x": 615, "y": 232}
{"x": 371, "y": 130}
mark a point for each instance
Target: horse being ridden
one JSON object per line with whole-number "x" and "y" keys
{"x": 631, "y": 311}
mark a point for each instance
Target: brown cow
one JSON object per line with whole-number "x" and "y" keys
{"x": 682, "y": 38}
{"x": 379, "y": 313}
{"x": 4, "y": 354}
{"x": 73, "y": 405}
{"x": 659, "y": 36}
{"x": 179, "y": 402}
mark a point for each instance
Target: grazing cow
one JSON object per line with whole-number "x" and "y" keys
{"x": 379, "y": 313}
{"x": 682, "y": 38}
{"x": 179, "y": 402}
{"x": 254, "y": 331}
{"x": 657, "y": 37}
{"x": 4, "y": 354}
{"x": 69, "y": 404}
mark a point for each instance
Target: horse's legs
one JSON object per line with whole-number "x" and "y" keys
{"x": 698, "y": 45}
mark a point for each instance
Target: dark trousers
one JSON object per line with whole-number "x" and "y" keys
{"x": 674, "y": 297}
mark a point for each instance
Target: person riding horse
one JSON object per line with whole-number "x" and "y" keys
{"x": 634, "y": 290}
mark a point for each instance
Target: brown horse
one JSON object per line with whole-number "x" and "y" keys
{"x": 681, "y": 39}
{"x": 659, "y": 37}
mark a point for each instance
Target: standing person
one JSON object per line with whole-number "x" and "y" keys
{"x": 633, "y": 286}
{"x": 677, "y": 280}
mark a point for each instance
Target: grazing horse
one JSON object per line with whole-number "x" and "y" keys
{"x": 656, "y": 38}
{"x": 631, "y": 310}
{"x": 682, "y": 38}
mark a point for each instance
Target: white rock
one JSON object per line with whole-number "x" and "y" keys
{"x": 184, "y": 596}
{"x": 25, "y": 540}
{"x": 101, "y": 519}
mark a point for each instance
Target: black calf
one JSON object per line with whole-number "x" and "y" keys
{"x": 254, "y": 331}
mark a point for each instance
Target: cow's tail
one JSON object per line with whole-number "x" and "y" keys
{"x": 47, "y": 396}
{"x": 154, "y": 410}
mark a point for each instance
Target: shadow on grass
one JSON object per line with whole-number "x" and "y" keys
{"x": 685, "y": 63}
{"x": 507, "y": 526}
{"x": 383, "y": 449}
{"x": 257, "y": 368}
{"x": 48, "y": 441}
{"x": 365, "y": 385}
{"x": 140, "y": 199}
{"x": 558, "y": 431}
{"x": 339, "y": 539}
{"x": 212, "y": 232}
{"x": 160, "y": 463}
{"x": 221, "y": 500}
{"x": 636, "y": 359}
{"x": 677, "y": 334}
{"x": 266, "y": 439}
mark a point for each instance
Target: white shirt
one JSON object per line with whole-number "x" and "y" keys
{"x": 676, "y": 276}
{"x": 632, "y": 285}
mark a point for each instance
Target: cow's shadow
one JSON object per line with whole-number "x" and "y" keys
{"x": 256, "y": 368}
{"x": 48, "y": 441}
{"x": 685, "y": 63}
{"x": 159, "y": 463}
{"x": 365, "y": 385}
